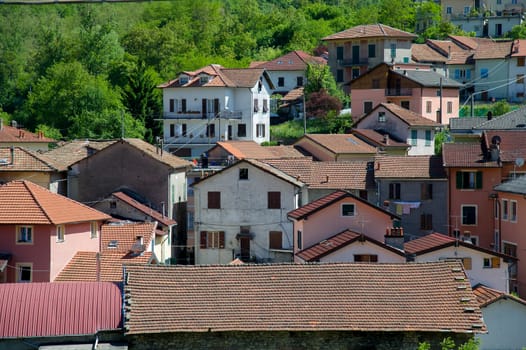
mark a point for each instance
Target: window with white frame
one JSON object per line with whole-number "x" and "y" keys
{"x": 61, "y": 230}
{"x": 492, "y": 263}
{"x": 469, "y": 180}
{"x": 505, "y": 209}
{"x": 513, "y": 211}
{"x": 449, "y": 10}
{"x": 260, "y": 130}
{"x": 348, "y": 209}
{"x": 428, "y": 137}
{"x": 24, "y": 272}
{"x": 212, "y": 240}
{"x": 24, "y": 234}
{"x": 469, "y": 214}
{"x": 381, "y": 117}
{"x": 429, "y": 106}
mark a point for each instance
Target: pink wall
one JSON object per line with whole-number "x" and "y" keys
{"x": 358, "y": 96}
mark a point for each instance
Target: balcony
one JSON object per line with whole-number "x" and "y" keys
{"x": 398, "y": 92}
{"x": 354, "y": 62}
{"x": 200, "y": 115}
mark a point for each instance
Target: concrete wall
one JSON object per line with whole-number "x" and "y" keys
{"x": 504, "y": 333}
{"x": 347, "y": 253}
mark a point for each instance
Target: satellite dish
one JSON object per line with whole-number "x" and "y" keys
{"x": 519, "y": 162}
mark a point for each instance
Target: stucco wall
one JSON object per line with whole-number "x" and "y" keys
{"x": 347, "y": 253}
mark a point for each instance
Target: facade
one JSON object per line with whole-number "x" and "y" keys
{"x": 215, "y": 104}
{"x": 335, "y": 213}
{"x": 354, "y": 51}
{"x": 278, "y": 306}
{"x": 241, "y": 212}
{"x": 41, "y": 231}
{"x": 415, "y": 188}
{"x": 517, "y": 62}
{"x": 421, "y": 90}
{"x": 402, "y": 125}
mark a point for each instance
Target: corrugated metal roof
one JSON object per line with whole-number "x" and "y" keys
{"x": 58, "y": 309}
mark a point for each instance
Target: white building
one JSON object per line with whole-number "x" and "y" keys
{"x": 241, "y": 212}
{"x": 214, "y": 104}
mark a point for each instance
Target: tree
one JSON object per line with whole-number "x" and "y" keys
{"x": 320, "y": 104}
{"x": 319, "y": 77}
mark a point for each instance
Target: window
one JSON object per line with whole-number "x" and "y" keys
{"x": 274, "y": 200}
{"x": 492, "y": 263}
{"x": 172, "y": 105}
{"x": 265, "y": 105}
{"x": 499, "y": 2}
{"x": 256, "y": 105}
{"x": 428, "y": 137}
{"x": 466, "y": 10}
{"x": 113, "y": 205}
{"x": 429, "y": 106}
{"x": 172, "y": 130}
{"x": 426, "y": 191}
{"x": 214, "y": 200}
{"x": 210, "y": 130}
{"x": 393, "y": 50}
{"x": 449, "y": 10}
{"x": 243, "y": 174}
{"x": 355, "y": 73}
{"x": 24, "y": 234}
{"x": 281, "y": 81}
{"x": 260, "y": 130}
{"x": 61, "y": 230}
{"x": 299, "y": 81}
{"x": 414, "y": 137}
{"x": 275, "y": 240}
{"x": 299, "y": 239}
{"x": 505, "y": 209}
{"x": 381, "y": 117}
{"x": 498, "y": 29}
{"x": 339, "y": 53}
{"x": 365, "y": 258}
{"x": 183, "y": 105}
{"x": 348, "y": 210}
{"x": 405, "y": 104}
{"x": 449, "y": 107}
{"x": 394, "y": 191}
{"x": 24, "y": 272}
{"x": 469, "y": 180}
{"x": 376, "y": 83}
{"x": 241, "y": 130}
{"x": 509, "y": 249}
{"x": 94, "y": 229}
{"x": 367, "y": 106}
{"x": 183, "y": 79}
{"x": 339, "y": 75}
{"x": 520, "y": 79}
{"x": 372, "y": 50}
{"x": 426, "y": 222}
{"x": 484, "y": 72}
{"x": 212, "y": 239}
{"x": 521, "y": 61}
{"x": 513, "y": 211}
{"x": 183, "y": 129}
{"x": 469, "y": 215}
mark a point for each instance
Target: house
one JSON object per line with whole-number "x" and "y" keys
{"x": 241, "y": 211}
{"x": 402, "y": 125}
{"x": 474, "y": 170}
{"x": 278, "y": 306}
{"x": 354, "y": 51}
{"x": 503, "y": 332}
{"x": 482, "y": 266}
{"x": 41, "y": 231}
{"x": 67, "y": 315}
{"x": 13, "y": 136}
{"x": 510, "y": 201}
{"x": 335, "y": 147}
{"x": 349, "y": 246}
{"x": 336, "y": 212}
{"x": 419, "y": 89}
{"x": 415, "y": 188}
{"x": 517, "y": 61}
{"x": 287, "y": 72}
{"x": 384, "y": 143}
{"x": 122, "y": 206}
{"x": 121, "y": 243}
{"x": 214, "y": 104}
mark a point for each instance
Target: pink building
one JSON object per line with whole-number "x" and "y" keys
{"x": 41, "y": 231}
{"x": 418, "y": 89}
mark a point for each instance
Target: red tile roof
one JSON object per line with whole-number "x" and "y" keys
{"x": 337, "y": 242}
{"x": 340, "y": 143}
{"x": 121, "y": 236}
{"x": 295, "y": 60}
{"x": 519, "y": 48}
{"x": 486, "y": 296}
{"x": 12, "y": 135}
{"x": 22, "y": 159}
{"x": 105, "y": 267}
{"x": 23, "y": 202}
{"x": 68, "y": 153}
{"x": 164, "y": 220}
{"x": 378, "y": 140}
{"x": 409, "y": 117}
{"x": 421, "y": 297}
{"x": 370, "y": 31}
{"x": 464, "y": 155}
{"x": 326, "y": 201}
{"x": 251, "y": 149}
{"x": 419, "y": 167}
{"x": 58, "y": 309}
{"x": 512, "y": 144}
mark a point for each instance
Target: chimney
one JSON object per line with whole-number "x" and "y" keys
{"x": 394, "y": 237}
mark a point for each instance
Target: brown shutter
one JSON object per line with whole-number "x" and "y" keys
{"x": 203, "y": 240}
{"x": 221, "y": 239}
{"x": 467, "y": 263}
{"x": 495, "y": 262}
{"x": 275, "y": 240}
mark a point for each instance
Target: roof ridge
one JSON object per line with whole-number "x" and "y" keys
{"x": 35, "y": 198}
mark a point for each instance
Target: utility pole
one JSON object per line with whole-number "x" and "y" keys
{"x": 304, "y": 114}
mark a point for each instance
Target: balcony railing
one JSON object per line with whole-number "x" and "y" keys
{"x": 399, "y": 92}
{"x": 201, "y": 115}
{"x": 354, "y": 62}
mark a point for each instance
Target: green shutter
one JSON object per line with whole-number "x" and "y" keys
{"x": 459, "y": 179}
{"x": 478, "y": 184}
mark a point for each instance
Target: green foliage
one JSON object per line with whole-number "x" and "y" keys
{"x": 449, "y": 344}
{"x": 292, "y": 130}
{"x": 424, "y": 346}
{"x": 440, "y": 138}
{"x": 500, "y": 108}
{"x": 441, "y": 30}
{"x": 49, "y": 131}
{"x": 517, "y": 32}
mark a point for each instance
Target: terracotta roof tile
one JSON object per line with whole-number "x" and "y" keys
{"x": 377, "y": 139}
{"x": 293, "y": 95}
{"x": 122, "y": 236}
{"x": 301, "y": 297}
{"x": 71, "y": 152}
{"x": 12, "y": 135}
{"x": 493, "y": 50}
{"x": 164, "y": 220}
{"x": 486, "y": 296}
{"x": 519, "y": 48}
{"x": 341, "y": 143}
{"x": 370, "y": 31}
{"x": 21, "y": 159}
{"x": 253, "y": 150}
{"x": 464, "y": 155}
{"x": 58, "y": 309}
{"x": 409, "y": 117}
{"x": 23, "y": 202}
{"x": 104, "y": 267}
{"x": 295, "y": 60}
{"x": 512, "y": 145}
{"x": 424, "y": 53}
{"x": 421, "y": 167}
{"x": 156, "y": 153}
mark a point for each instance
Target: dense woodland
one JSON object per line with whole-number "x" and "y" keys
{"x": 90, "y": 70}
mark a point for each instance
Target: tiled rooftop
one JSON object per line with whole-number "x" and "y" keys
{"x": 68, "y": 153}
{"x": 122, "y": 236}
{"x": 464, "y": 155}
{"x": 22, "y": 159}
{"x": 517, "y": 186}
{"x": 379, "y": 140}
{"x": 340, "y": 143}
{"x": 486, "y": 296}
{"x": 513, "y": 120}
{"x": 421, "y": 167}
{"x": 58, "y": 309}
{"x": 155, "y": 215}
{"x": 251, "y": 149}
{"x": 23, "y": 202}
{"x": 434, "y": 297}
{"x": 370, "y": 31}
{"x": 13, "y": 135}
{"x": 294, "y": 60}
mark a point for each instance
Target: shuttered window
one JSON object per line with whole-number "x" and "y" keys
{"x": 275, "y": 239}
{"x": 274, "y": 200}
{"x": 214, "y": 200}
{"x": 212, "y": 239}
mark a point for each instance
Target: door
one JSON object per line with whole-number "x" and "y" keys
{"x": 356, "y": 54}
{"x": 244, "y": 245}
{"x": 229, "y": 132}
